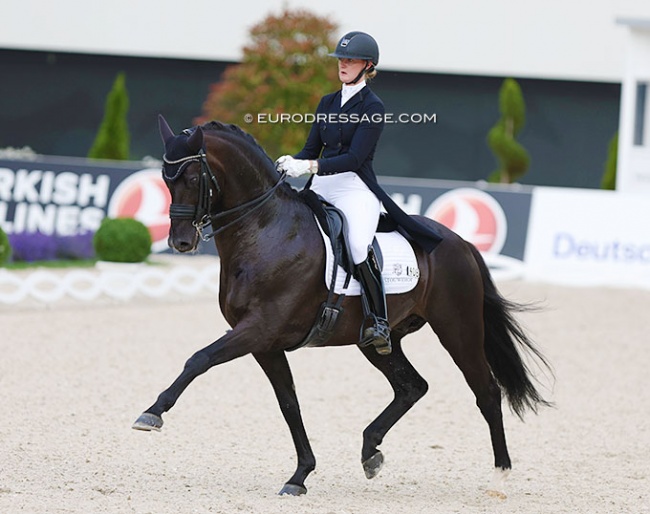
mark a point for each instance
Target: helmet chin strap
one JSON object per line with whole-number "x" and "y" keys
{"x": 361, "y": 73}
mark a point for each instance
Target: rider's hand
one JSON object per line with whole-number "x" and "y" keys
{"x": 280, "y": 161}
{"x": 295, "y": 167}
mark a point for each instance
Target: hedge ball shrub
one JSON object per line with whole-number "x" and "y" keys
{"x": 122, "y": 240}
{"x": 5, "y": 247}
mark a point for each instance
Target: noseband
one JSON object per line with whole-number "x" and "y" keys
{"x": 200, "y": 213}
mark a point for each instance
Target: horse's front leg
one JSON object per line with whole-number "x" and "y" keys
{"x": 277, "y": 369}
{"x": 235, "y": 343}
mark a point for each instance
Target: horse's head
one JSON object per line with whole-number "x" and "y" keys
{"x": 203, "y": 193}
{"x": 190, "y": 182}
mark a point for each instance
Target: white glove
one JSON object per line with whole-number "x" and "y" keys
{"x": 295, "y": 167}
{"x": 280, "y": 160}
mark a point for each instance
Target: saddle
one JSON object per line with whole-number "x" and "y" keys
{"x": 334, "y": 224}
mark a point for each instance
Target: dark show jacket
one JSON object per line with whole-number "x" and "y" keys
{"x": 344, "y": 139}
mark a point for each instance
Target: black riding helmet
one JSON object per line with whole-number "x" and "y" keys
{"x": 357, "y": 45}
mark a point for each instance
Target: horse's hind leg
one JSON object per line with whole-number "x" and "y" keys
{"x": 276, "y": 367}
{"x": 408, "y": 386}
{"x": 465, "y": 345}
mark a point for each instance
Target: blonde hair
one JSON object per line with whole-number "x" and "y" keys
{"x": 371, "y": 75}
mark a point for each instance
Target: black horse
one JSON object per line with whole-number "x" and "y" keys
{"x": 271, "y": 287}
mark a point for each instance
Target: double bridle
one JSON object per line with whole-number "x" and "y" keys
{"x": 200, "y": 213}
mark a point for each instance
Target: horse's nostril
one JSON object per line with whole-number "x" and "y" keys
{"x": 183, "y": 246}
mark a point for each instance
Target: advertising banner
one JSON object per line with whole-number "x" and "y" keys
{"x": 57, "y": 196}
{"x": 71, "y": 196}
{"x": 494, "y": 218}
{"x": 589, "y": 237}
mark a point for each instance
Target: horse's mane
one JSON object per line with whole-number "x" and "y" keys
{"x": 231, "y": 129}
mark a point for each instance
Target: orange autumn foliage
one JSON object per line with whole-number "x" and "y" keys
{"x": 285, "y": 69}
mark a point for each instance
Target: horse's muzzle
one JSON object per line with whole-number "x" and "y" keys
{"x": 183, "y": 240}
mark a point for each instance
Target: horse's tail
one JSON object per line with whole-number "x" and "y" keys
{"x": 504, "y": 336}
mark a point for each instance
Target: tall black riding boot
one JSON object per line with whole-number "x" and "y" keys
{"x": 375, "y": 329}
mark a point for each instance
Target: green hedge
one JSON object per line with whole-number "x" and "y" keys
{"x": 122, "y": 240}
{"x": 5, "y": 247}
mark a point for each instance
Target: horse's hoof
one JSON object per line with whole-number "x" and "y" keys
{"x": 148, "y": 422}
{"x": 293, "y": 490}
{"x": 499, "y": 495}
{"x": 373, "y": 465}
{"x": 496, "y": 489}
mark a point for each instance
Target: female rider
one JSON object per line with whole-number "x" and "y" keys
{"x": 338, "y": 153}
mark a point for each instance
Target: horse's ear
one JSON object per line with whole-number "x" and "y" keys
{"x": 166, "y": 133}
{"x": 195, "y": 141}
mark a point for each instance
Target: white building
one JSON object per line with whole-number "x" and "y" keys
{"x": 558, "y": 39}
{"x": 634, "y": 133}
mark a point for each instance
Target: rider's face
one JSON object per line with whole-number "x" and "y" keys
{"x": 350, "y": 68}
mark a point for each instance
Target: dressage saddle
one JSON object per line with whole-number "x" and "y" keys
{"x": 334, "y": 225}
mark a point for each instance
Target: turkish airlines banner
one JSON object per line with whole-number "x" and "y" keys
{"x": 493, "y": 218}
{"x": 72, "y": 196}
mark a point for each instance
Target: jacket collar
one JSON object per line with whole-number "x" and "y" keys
{"x": 349, "y": 90}
{"x": 355, "y": 99}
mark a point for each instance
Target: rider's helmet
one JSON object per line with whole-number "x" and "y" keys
{"x": 357, "y": 45}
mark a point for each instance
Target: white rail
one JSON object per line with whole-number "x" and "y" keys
{"x": 113, "y": 281}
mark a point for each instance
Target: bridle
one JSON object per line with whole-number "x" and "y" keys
{"x": 200, "y": 213}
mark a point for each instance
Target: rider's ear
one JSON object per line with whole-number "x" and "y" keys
{"x": 166, "y": 133}
{"x": 195, "y": 141}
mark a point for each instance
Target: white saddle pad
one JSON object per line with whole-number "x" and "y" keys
{"x": 400, "y": 271}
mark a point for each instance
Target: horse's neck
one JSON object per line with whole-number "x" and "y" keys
{"x": 275, "y": 223}
{"x": 243, "y": 177}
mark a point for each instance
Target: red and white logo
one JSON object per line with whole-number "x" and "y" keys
{"x": 474, "y": 215}
{"x": 145, "y": 197}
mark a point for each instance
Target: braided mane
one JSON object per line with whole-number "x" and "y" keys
{"x": 230, "y": 129}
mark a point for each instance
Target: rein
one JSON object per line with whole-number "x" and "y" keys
{"x": 200, "y": 213}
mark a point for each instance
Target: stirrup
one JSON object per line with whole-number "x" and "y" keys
{"x": 377, "y": 335}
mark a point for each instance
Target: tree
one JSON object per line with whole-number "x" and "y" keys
{"x": 112, "y": 140}
{"x": 513, "y": 158}
{"x": 609, "y": 177}
{"x": 285, "y": 70}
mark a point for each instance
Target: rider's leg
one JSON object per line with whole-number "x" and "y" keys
{"x": 375, "y": 329}
{"x": 347, "y": 192}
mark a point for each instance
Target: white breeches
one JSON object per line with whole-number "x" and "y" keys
{"x": 347, "y": 192}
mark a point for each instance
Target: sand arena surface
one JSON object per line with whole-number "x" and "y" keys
{"x": 74, "y": 376}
